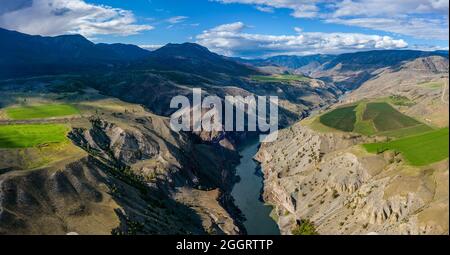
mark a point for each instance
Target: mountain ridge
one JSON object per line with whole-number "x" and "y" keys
{"x": 28, "y": 55}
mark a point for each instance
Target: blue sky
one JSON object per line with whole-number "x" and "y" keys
{"x": 248, "y": 28}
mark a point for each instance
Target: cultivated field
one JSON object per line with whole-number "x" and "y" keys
{"x": 418, "y": 150}
{"x": 386, "y": 118}
{"x": 343, "y": 119}
{"x": 373, "y": 118}
{"x": 418, "y": 143}
{"x": 24, "y": 136}
{"x": 40, "y": 111}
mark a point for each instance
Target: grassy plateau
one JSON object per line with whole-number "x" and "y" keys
{"x": 40, "y": 111}
{"x": 373, "y": 118}
{"x": 343, "y": 119}
{"x": 23, "y": 136}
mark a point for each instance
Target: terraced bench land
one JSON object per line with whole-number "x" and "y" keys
{"x": 40, "y": 111}
{"x": 24, "y": 136}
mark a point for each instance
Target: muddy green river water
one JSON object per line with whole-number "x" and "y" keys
{"x": 247, "y": 193}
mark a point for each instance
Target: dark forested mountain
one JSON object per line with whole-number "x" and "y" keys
{"x": 125, "y": 52}
{"x": 27, "y": 55}
{"x": 24, "y": 55}
{"x": 196, "y": 59}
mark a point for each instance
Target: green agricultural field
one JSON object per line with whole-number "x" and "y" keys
{"x": 40, "y": 111}
{"x": 279, "y": 78}
{"x": 343, "y": 119}
{"x": 365, "y": 127}
{"x": 418, "y": 150}
{"x": 386, "y": 118}
{"x": 373, "y": 118}
{"x": 24, "y": 136}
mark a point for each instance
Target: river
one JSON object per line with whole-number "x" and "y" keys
{"x": 247, "y": 193}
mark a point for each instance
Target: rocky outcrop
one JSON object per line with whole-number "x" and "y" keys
{"x": 115, "y": 143}
{"x": 172, "y": 165}
{"x": 329, "y": 179}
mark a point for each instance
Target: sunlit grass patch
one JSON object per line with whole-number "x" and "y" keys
{"x": 40, "y": 111}
{"x": 23, "y": 136}
{"x": 418, "y": 150}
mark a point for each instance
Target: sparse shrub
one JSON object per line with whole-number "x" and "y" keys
{"x": 335, "y": 194}
{"x": 306, "y": 227}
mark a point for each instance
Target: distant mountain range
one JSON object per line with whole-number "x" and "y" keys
{"x": 351, "y": 61}
{"x": 195, "y": 59}
{"x": 378, "y": 58}
{"x": 27, "y": 55}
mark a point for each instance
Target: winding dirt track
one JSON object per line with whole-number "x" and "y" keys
{"x": 39, "y": 121}
{"x": 444, "y": 89}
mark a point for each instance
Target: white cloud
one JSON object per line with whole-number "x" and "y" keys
{"x": 264, "y": 9}
{"x": 55, "y": 17}
{"x": 176, "y": 19}
{"x": 373, "y": 8}
{"x": 415, "y": 27}
{"x": 151, "y": 47}
{"x": 425, "y": 19}
{"x": 417, "y": 18}
{"x": 235, "y": 27}
{"x": 231, "y": 40}
{"x": 298, "y": 29}
{"x": 301, "y": 8}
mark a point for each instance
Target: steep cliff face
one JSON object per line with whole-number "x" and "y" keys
{"x": 151, "y": 155}
{"x": 329, "y": 179}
